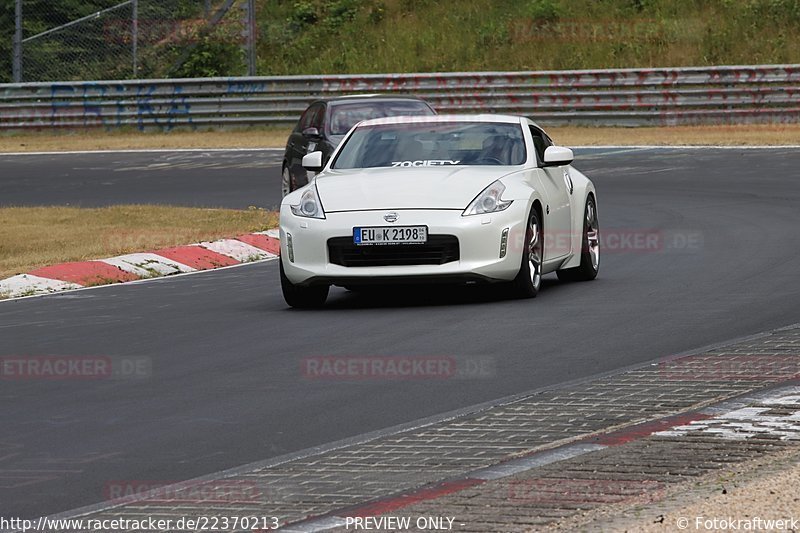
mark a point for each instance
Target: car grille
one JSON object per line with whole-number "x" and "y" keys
{"x": 439, "y": 249}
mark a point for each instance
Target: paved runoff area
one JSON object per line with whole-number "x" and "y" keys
{"x": 529, "y": 463}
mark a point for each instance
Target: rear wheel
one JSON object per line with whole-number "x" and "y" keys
{"x": 590, "y": 248}
{"x": 300, "y": 296}
{"x": 529, "y": 278}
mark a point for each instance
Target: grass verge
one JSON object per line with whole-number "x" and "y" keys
{"x": 46, "y": 141}
{"x": 734, "y": 135}
{"x": 33, "y": 237}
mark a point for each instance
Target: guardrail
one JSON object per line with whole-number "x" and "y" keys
{"x": 623, "y": 97}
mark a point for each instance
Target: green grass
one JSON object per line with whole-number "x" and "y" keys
{"x": 364, "y": 36}
{"x": 33, "y": 237}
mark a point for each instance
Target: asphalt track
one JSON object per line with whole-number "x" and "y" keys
{"x": 235, "y": 179}
{"x": 226, "y": 386}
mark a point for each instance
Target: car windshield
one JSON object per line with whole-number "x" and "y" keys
{"x": 433, "y": 144}
{"x": 345, "y": 116}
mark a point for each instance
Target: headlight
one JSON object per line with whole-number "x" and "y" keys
{"x": 488, "y": 201}
{"x": 309, "y": 205}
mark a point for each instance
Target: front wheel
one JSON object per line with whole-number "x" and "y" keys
{"x": 287, "y": 184}
{"x": 529, "y": 278}
{"x": 590, "y": 248}
{"x": 302, "y": 297}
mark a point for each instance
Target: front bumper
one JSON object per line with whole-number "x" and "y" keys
{"x": 479, "y": 239}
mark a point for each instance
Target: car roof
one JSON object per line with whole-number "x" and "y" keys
{"x": 369, "y": 98}
{"x": 505, "y": 119}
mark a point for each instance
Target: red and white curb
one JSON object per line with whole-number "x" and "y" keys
{"x": 136, "y": 266}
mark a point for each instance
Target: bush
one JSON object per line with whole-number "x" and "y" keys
{"x": 543, "y": 10}
{"x": 303, "y": 14}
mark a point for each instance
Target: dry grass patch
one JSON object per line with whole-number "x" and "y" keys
{"x": 33, "y": 237}
{"x": 733, "y": 135}
{"x": 47, "y": 141}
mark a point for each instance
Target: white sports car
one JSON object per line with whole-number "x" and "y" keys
{"x": 462, "y": 198}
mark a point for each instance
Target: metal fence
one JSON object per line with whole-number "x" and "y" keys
{"x": 625, "y": 97}
{"x": 128, "y": 39}
{"x": 80, "y": 47}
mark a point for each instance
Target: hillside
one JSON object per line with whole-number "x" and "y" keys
{"x": 352, "y": 36}
{"x": 363, "y": 36}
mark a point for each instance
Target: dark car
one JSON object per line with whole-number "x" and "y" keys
{"x": 324, "y": 124}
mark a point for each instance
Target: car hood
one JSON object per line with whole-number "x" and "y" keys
{"x": 404, "y": 188}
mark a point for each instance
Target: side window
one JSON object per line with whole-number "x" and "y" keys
{"x": 312, "y": 118}
{"x": 540, "y": 141}
{"x": 318, "y": 119}
{"x": 305, "y": 119}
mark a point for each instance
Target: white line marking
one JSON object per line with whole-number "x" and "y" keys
{"x": 145, "y": 151}
{"x": 689, "y": 146}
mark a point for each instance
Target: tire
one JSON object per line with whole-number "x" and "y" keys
{"x": 590, "y": 248}
{"x": 302, "y": 297}
{"x": 529, "y": 279}
{"x": 287, "y": 182}
{"x": 356, "y": 288}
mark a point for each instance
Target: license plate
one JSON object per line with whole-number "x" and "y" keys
{"x": 390, "y": 235}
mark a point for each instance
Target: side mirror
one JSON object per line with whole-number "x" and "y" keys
{"x": 312, "y": 134}
{"x": 313, "y": 161}
{"x": 557, "y": 156}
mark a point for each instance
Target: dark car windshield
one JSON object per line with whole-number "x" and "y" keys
{"x": 345, "y": 116}
{"x": 433, "y": 144}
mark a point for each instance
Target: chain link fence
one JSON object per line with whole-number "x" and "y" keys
{"x": 113, "y": 39}
{"x": 82, "y": 47}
